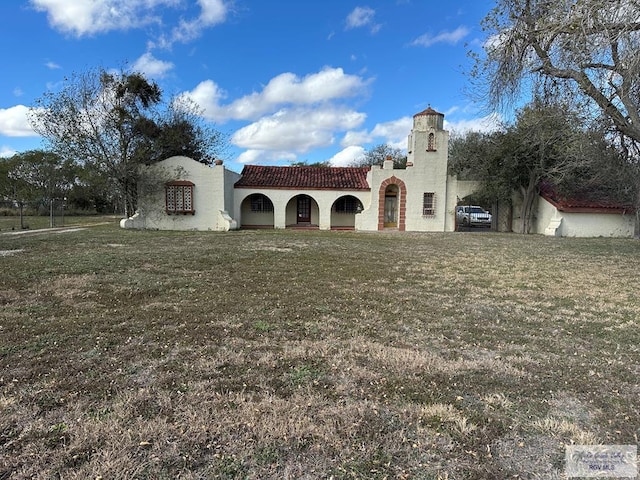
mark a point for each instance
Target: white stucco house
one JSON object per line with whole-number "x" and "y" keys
{"x": 182, "y": 194}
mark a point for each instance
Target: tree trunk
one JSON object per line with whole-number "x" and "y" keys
{"x": 529, "y": 196}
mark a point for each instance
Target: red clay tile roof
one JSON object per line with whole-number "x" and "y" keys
{"x": 314, "y": 178}
{"x": 581, "y": 203}
{"x": 428, "y": 111}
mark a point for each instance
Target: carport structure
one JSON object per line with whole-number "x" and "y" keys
{"x": 301, "y": 197}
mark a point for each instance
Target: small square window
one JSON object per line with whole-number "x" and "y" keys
{"x": 429, "y": 204}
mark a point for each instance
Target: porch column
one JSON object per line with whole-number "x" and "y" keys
{"x": 324, "y": 214}
{"x": 279, "y": 215}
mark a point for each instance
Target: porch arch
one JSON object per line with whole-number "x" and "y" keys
{"x": 256, "y": 211}
{"x": 344, "y": 210}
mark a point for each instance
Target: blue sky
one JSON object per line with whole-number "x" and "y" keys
{"x": 287, "y": 80}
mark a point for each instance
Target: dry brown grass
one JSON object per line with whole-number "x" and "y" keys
{"x": 268, "y": 354}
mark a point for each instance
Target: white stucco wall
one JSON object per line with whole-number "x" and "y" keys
{"x": 211, "y": 196}
{"x": 597, "y": 225}
{"x": 544, "y": 213}
{"x": 549, "y": 221}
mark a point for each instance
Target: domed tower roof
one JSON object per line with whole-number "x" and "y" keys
{"x": 429, "y": 118}
{"x": 429, "y": 111}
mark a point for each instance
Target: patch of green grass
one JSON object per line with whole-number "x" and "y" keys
{"x": 266, "y": 354}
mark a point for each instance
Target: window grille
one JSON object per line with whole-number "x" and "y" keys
{"x": 429, "y": 204}
{"x": 261, "y": 204}
{"x": 348, "y": 205}
{"x": 179, "y": 197}
{"x": 431, "y": 143}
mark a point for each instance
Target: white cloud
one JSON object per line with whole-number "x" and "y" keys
{"x": 451, "y": 38}
{"x": 362, "y": 17}
{"x": 393, "y": 133}
{"x": 90, "y": 17}
{"x": 346, "y": 156}
{"x": 14, "y": 122}
{"x": 290, "y": 115}
{"x": 212, "y": 12}
{"x": 151, "y": 66}
{"x": 252, "y": 156}
{"x": 207, "y": 95}
{"x": 298, "y": 130}
{"x": 285, "y": 89}
{"x": 7, "y": 152}
{"x": 249, "y": 156}
{"x": 353, "y": 138}
{"x": 52, "y": 66}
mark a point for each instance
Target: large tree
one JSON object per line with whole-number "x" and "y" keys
{"x": 95, "y": 118}
{"x": 114, "y": 122}
{"x": 585, "y": 51}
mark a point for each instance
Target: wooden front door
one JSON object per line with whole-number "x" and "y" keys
{"x": 390, "y": 210}
{"x": 304, "y": 209}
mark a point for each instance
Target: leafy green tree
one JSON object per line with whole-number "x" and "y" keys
{"x": 378, "y": 154}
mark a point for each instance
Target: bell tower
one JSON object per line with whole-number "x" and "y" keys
{"x": 427, "y": 135}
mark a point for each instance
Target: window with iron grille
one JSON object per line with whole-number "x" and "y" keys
{"x": 261, "y": 204}
{"x": 348, "y": 205}
{"x": 429, "y": 204}
{"x": 179, "y": 197}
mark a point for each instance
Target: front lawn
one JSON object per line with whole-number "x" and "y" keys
{"x": 307, "y": 354}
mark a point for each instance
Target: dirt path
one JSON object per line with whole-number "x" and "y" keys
{"x": 68, "y": 229}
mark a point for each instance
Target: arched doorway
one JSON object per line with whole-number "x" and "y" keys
{"x": 392, "y": 204}
{"x": 302, "y": 211}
